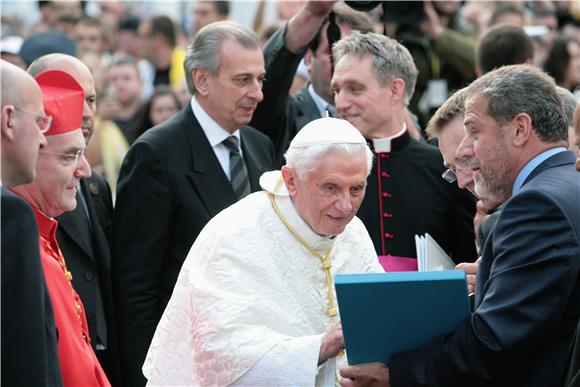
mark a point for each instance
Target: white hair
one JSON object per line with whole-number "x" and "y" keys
{"x": 304, "y": 160}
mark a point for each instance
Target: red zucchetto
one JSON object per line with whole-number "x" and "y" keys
{"x": 63, "y": 99}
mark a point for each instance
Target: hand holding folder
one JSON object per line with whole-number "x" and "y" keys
{"x": 386, "y": 313}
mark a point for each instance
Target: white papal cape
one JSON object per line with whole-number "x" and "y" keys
{"x": 250, "y": 305}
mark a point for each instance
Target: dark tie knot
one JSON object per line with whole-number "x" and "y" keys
{"x": 232, "y": 144}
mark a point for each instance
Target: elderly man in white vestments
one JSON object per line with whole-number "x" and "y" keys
{"x": 254, "y": 304}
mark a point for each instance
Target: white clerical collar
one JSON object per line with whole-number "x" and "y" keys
{"x": 213, "y": 131}
{"x": 272, "y": 182}
{"x": 384, "y": 144}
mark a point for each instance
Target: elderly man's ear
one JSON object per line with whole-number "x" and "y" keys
{"x": 7, "y": 122}
{"x": 200, "y": 78}
{"x": 289, "y": 177}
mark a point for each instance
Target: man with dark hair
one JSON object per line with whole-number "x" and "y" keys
{"x": 159, "y": 39}
{"x": 180, "y": 174}
{"x": 527, "y": 299}
{"x": 206, "y": 12}
{"x": 281, "y": 116}
{"x": 501, "y": 46}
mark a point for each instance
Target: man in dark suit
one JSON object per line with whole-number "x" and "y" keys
{"x": 280, "y": 115}
{"x": 84, "y": 234}
{"x": 180, "y": 174}
{"x": 527, "y": 301}
{"x": 29, "y": 337}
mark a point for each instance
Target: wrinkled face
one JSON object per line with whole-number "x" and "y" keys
{"x": 358, "y": 96}
{"x": 163, "y": 107}
{"x": 329, "y": 196}
{"x": 88, "y": 39}
{"x": 493, "y": 164}
{"x": 27, "y": 139}
{"x": 319, "y": 64}
{"x": 232, "y": 96}
{"x": 58, "y": 175}
{"x": 449, "y": 139}
{"x": 125, "y": 81}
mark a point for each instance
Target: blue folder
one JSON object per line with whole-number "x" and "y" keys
{"x": 387, "y": 313}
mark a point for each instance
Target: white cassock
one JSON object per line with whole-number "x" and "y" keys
{"x": 250, "y": 305}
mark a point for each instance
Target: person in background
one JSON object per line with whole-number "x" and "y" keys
{"x": 280, "y": 116}
{"x": 121, "y": 100}
{"x": 89, "y": 36}
{"x": 159, "y": 47}
{"x": 503, "y": 45}
{"x": 60, "y": 168}
{"x": 569, "y": 103}
{"x": 563, "y": 62}
{"x": 206, "y": 12}
{"x": 29, "y": 337}
{"x": 162, "y": 105}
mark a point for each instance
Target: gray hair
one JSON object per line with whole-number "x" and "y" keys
{"x": 303, "y": 160}
{"x": 568, "y": 103}
{"x": 390, "y": 58}
{"x": 203, "y": 53}
{"x": 515, "y": 89}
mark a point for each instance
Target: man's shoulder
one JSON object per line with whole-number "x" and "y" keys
{"x": 12, "y": 203}
{"x": 250, "y": 133}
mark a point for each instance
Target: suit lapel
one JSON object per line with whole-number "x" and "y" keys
{"x": 308, "y": 110}
{"x": 75, "y": 224}
{"x": 209, "y": 180}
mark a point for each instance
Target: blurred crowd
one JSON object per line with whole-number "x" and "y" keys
{"x": 136, "y": 56}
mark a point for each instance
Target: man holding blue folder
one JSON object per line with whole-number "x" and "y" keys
{"x": 528, "y": 288}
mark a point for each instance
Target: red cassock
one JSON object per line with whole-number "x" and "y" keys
{"x": 78, "y": 362}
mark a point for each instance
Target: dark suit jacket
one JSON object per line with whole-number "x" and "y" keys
{"x": 527, "y": 294}
{"x": 29, "y": 337}
{"x": 573, "y": 373}
{"x": 279, "y": 115}
{"x": 86, "y": 249}
{"x": 171, "y": 184}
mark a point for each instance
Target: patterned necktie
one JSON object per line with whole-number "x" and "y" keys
{"x": 238, "y": 170}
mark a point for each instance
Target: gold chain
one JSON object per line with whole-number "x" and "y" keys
{"x": 326, "y": 264}
{"x": 56, "y": 253}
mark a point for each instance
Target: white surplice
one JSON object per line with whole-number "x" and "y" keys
{"x": 250, "y": 305}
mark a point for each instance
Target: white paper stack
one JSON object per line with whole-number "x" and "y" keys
{"x": 430, "y": 256}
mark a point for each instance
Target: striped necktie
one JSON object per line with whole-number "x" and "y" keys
{"x": 238, "y": 170}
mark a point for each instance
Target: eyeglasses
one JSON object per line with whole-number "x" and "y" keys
{"x": 68, "y": 158}
{"x": 449, "y": 175}
{"x": 43, "y": 122}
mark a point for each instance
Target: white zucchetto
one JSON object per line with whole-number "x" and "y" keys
{"x": 325, "y": 131}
